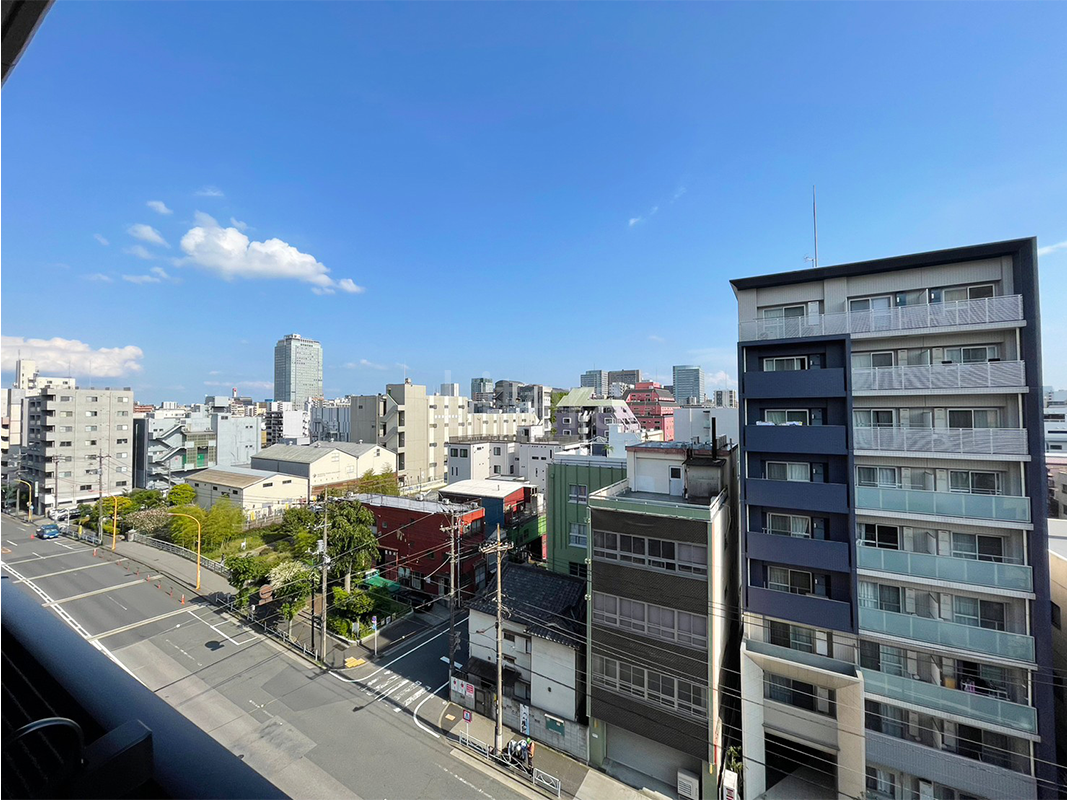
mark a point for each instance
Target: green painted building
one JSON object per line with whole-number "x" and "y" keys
{"x": 571, "y": 480}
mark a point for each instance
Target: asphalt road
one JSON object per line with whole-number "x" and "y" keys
{"x": 367, "y": 733}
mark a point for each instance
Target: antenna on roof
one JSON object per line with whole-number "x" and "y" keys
{"x": 815, "y": 235}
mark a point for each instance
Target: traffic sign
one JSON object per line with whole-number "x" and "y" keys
{"x": 467, "y": 715}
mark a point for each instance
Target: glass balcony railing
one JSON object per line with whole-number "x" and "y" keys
{"x": 981, "y": 441}
{"x": 946, "y": 568}
{"x": 1004, "y": 508}
{"x": 952, "y": 701}
{"x": 984, "y": 311}
{"x": 949, "y": 634}
{"x": 928, "y": 377}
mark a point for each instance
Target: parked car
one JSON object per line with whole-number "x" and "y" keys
{"x": 48, "y": 531}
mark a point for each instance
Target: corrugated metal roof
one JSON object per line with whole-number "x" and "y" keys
{"x": 583, "y": 398}
{"x": 234, "y": 477}
{"x": 300, "y": 453}
{"x": 483, "y": 488}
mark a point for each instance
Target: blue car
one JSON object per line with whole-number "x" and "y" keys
{"x": 49, "y": 531}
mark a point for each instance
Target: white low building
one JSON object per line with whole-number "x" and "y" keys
{"x": 544, "y": 643}
{"x": 326, "y": 464}
{"x": 259, "y": 493}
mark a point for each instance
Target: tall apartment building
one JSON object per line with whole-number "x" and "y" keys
{"x": 628, "y": 377}
{"x": 893, "y": 511}
{"x": 688, "y": 384}
{"x": 417, "y": 427}
{"x": 167, "y": 450}
{"x": 79, "y": 445}
{"x": 298, "y": 370}
{"x": 596, "y": 379}
{"x": 28, "y": 378}
{"x": 662, "y": 622}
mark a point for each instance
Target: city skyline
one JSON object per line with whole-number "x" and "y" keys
{"x": 264, "y": 238}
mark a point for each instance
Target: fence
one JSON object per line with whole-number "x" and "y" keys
{"x": 538, "y": 778}
{"x": 546, "y": 781}
{"x": 184, "y": 552}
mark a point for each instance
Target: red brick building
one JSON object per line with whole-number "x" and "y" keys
{"x": 654, "y": 406}
{"x": 413, "y": 540}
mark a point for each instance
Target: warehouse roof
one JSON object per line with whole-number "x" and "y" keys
{"x": 233, "y": 477}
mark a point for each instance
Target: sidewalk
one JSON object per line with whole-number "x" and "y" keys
{"x": 576, "y": 779}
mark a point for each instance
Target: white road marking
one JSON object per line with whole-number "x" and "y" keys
{"x": 72, "y": 569}
{"x": 214, "y": 628}
{"x": 95, "y": 592}
{"x": 116, "y": 602}
{"x": 62, "y": 612}
{"x": 415, "y": 711}
{"x": 394, "y": 661}
{"x": 133, "y": 625}
{"x": 41, "y": 558}
{"x": 467, "y": 783}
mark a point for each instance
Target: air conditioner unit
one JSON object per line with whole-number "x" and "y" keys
{"x": 689, "y": 785}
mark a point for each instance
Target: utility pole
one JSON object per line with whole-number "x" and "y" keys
{"x": 326, "y": 565}
{"x": 100, "y": 502}
{"x": 454, "y": 571}
{"x": 498, "y": 547}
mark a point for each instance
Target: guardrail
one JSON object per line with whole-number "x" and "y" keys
{"x": 475, "y": 744}
{"x": 169, "y": 547}
{"x": 546, "y": 781}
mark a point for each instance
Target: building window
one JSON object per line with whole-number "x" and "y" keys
{"x": 883, "y": 658}
{"x": 887, "y": 537}
{"x": 85, "y": 487}
{"x": 875, "y": 360}
{"x": 974, "y": 482}
{"x": 654, "y": 553}
{"x": 496, "y": 470}
{"x": 1055, "y": 614}
{"x": 90, "y": 413}
{"x": 786, "y": 416}
{"x": 788, "y": 471}
{"x": 979, "y": 613}
{"x": 790, "y": 364}
{"x": 798, "y": 694}
{"x": 873, "y": 418}
{"x": 577, "y": 493}
{"x": 579, "y": 535}
{"x": 657, "y": 621}
{"x": 794, "y": 581}
{"x": 878, "y": 476}
{"x": 676, "y": 694}
{"x": 784, "y": 312}
{"x": 973, "y": 418}
{"x": 790, "y": 525}
{"x": 792, "y": 636}
{"x": 880, "y": 596}
{"x": 881, "y": 782}
{"x": 577, "y": 570}
{"x": 972, "y": 355}
{"x": 958, "y": 293}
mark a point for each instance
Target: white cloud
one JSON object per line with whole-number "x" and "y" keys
{"x": 57, "y": 356}
{"x": 634, "y": 221}
{"x": 140, "y": 251}
{"x": 146, "y": 233}
{"x": 678, "y": 193}
{"x": 655, "y": 338}
{"x": 1050, "y": 249}
{"x": 720, "y": 378}
{"x": 231, "y": 254}
{"x": 215, "y": 372}
{"x": 364, "y": 363}
{"x": 155, "y": 275}
{"x": 99, "y": 277}
{"x": 101, "y": 239}
{"x": 159, "y": 207}
{"x": 209, "y": 191}
{"x": 241, "y": 226}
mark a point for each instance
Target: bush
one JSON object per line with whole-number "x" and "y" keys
{"x": 340, "y": 626}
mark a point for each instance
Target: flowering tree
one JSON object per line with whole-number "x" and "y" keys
{"x": 291, "y": 582}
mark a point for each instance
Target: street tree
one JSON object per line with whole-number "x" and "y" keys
{"x": 292, "y": 584}
{"x": 181, "y": 495}
{"x": 149, "y": 521}
{"x": 183, "y": 529}
{"x": 146, "y": 498}
{"x": 246, "y": 573}
{"x": 222, "y": 523}
{"x": 350, "y": 541}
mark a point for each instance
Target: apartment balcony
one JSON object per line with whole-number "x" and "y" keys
{"x": 953, "y": 635}
{"x": 790, "y": 656}
{"x": 971, "y": 706}
{"x": 988, "y": 574}
{"x": 1001, "y": 442}
{"x": 794, "y": 385}
{"x": 952, "y": 378}
{"x": 814, "y": 439}
{"x": 798, "y": 551}
{"x": 959, "y": 505}
{"x": 808, "y": 609}
{"x": 830, "y": 498}
{"x": 1006, "y": 311}
{"x": 947, "y": 768}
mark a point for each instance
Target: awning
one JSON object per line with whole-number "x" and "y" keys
{"x": 383, "y": 583}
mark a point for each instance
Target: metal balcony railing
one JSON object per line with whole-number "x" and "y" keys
{"x": 984, "y": 708}
{"x": 949, "y": 634}
{"x": 926, "y": 377}
{"x": 984, "y": 311}
{"x": 979, "y": 441}
{"x": 1005, "y": 508}
{"x": 946, "y": 568}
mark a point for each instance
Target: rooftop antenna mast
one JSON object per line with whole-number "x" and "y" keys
{"x": 815, "y": 234}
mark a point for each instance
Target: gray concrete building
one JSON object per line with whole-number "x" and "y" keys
{"x": 628, "y": 377}
{"x": 168, "y": 450}
{"x": 298, "y": 370}
{"x": 596, "y": 379}
{"x": 79, "y": 445}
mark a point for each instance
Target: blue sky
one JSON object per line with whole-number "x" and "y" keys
{"x": 520, "y": 190}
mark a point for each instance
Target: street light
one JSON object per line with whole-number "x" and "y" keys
{"x": 197, "y": 521}
{"x": 29, "y": 508}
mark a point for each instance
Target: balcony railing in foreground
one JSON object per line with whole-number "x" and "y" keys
{"x": 1016, "y": 646}
{"x": 979, "y": 441}
{"x": 1003, "y": 508}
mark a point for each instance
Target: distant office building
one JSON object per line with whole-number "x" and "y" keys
{"x": 506, "y": 394}
{"x": 285, "y": 424}
{"x": 724, "y": 398}
{"x": 628, "y": 377}
{"x": 537, "y": 398}
{"x": 477, "y": 458}
{"x": 298, "y": 370}
{"x": 654, "y": 407}
{"x": 596, "y": 379}
{"x": 79, "y": 445}
{"x": 481, "y": 386}
{"x": 450, "y": 390}
{"x": 689, "y": 384}
{"x": 330, "y": 421}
